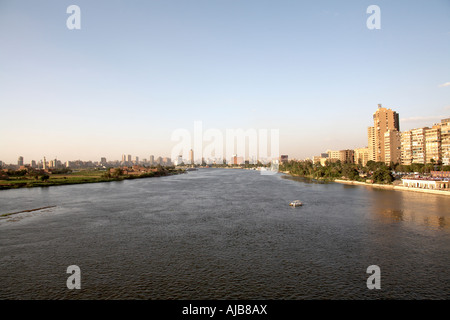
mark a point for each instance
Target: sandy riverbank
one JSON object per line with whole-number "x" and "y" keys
{"x": 392, "y": 187}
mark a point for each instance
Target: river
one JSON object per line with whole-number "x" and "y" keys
{"x": 223, "y": 234}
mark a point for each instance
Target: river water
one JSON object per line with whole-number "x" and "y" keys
{"x": 223, "y": 234}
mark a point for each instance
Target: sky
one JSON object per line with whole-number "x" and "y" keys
{"x": 137, "y": 71}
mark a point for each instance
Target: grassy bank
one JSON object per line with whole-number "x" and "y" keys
{"x": 84, "y": 176}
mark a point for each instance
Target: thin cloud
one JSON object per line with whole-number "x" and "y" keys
{"x": 447, "y": 84}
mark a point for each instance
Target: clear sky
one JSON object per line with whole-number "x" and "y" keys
{"x": 138, "y": 70}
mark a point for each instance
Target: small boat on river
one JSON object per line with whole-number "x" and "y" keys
{"x": 296, "y": 203}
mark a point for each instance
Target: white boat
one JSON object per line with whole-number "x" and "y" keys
{"x": 296, "y": 203}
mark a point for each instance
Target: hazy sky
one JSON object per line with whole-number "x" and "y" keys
{"x": 138, "y": 70}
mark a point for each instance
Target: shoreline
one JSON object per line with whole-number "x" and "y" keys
{"x": 3, "y": 216}
{"x": 36, "y": 184}
{"x": 392, "y": 187}
{"x": 377, "y": 185}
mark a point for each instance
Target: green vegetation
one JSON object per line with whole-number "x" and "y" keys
{"x": 38, "y": 178}
{"x": 378, "y": 172}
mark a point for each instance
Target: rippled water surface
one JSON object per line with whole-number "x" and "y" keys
{"x": 223, "y": 234}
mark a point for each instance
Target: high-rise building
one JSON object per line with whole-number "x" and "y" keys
{"x": 20, "y": 161}
{"x": 406, "y": 147}
{"x": 124, "y": 158}
{"x": 445, "y": 141}
{"x": 191, "y": 156}
{"x": 129, "y": 158}
{"x": 383, "y": 120}
{"x": 151, "y": 160}
{"x": 433, "y": 144}
{"x": 418, "y": 145}
{"x": 392, "y": 147}
{"x": 371, "y": 143}
{"x": 362, "y": 156}
{"x": 103, "y": 161}
{"x": 44, "y": 164}
{"x": 136, "y": 160}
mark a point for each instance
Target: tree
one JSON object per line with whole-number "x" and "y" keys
{"x": 382, "y": 175}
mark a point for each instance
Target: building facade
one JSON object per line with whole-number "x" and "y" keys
{"x": 406, "y": 147}
{"x": 383, "y": 120}
{"x": 362, "y": 156}
{"x": 392, "y": 147}
{"x": 418, "y": 145}
{"x": 433, "y": 144}
{"x": 445, "y": 141}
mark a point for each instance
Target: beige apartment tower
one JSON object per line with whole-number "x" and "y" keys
{"x": 406, "y": 147}
{"x": 191, "y": 156}
{"x": 418, "y": 145}
{"x": 371, "y": 143}
{"x": 392, "y": 147}
{"x": 445, "y": 141}
{"x": 433, "y": 144}
{"x": 383, "y": 120}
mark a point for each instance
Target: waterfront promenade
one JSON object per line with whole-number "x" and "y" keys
{"x": 392, "y": 187}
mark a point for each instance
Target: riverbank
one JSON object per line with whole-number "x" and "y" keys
{"x": 374, "y": 185}
{"x": 30, "y": 210}
{"x": 88, "y": 176}
{"x": 392, "y": 187}
{"x": 310, "y": 177}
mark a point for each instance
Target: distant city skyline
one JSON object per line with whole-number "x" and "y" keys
{"x": 134, "y": 73}
{"x": 369, "y": 149}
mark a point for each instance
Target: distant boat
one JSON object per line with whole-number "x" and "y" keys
{"x": 296, "y": 203}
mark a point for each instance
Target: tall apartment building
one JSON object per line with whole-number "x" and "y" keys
{"x": 392, "y": 147}
{"x": 418, "y": 145}
{"x": 191, "y": 156}
{"x": 383, "y": 120}
{"x": 433, "y": 144}
{"x": 151, "y": 160}
{"x": 371, "y": 143}
{"x": 20, "y": 161}
{"x": 445, "y": 141}
{"x": 361, "y": 156}
{"x": 406, "y": 147}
